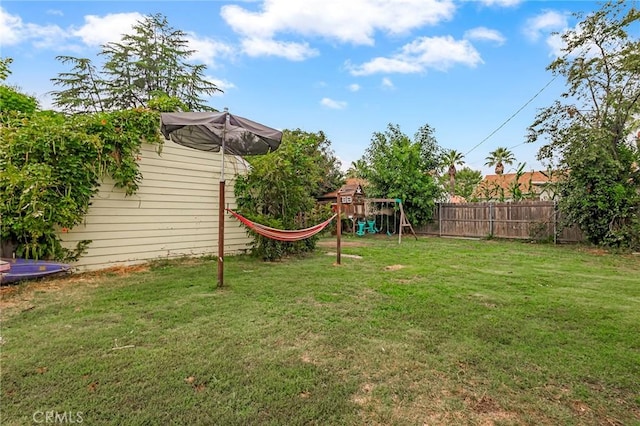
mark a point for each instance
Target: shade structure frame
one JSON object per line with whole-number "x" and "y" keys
{"x": 225, "y": 133}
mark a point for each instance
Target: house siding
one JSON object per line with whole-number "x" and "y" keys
{"x": 174, "y": 213}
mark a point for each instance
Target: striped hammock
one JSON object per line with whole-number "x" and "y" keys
{"x": 282, "y": 234}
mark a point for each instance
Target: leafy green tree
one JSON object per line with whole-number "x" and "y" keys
{"x": 5, "y": 70}
{"x": 450, "y": 159}
{"x": 83, "y": 86}
{"x": 281, "y": 188}
{"x": 591, "y": 133}
{"x": 357, "y": 169}
{"x": 11, "y": 98}
{"x": 430, "y": 151}
{"x": 398, "y": 167}
{"x": 467, "y": 180}
{"x": 499, "y": 158}
{"x": 515, "y": 187}
{"x": 148, "y": 63}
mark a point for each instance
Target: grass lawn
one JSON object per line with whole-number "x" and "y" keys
{"x": 434, "y": 331}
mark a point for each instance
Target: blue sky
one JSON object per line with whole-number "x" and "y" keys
{"x": 346, "y": 67}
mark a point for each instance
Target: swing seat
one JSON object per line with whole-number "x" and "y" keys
{"x": 361, "y": 228}
{"x": 371, "y": 227}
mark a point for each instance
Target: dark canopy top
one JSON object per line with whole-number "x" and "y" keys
{"x": 205, "y": 131}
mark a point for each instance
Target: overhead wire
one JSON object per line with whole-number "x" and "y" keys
{"x": 504, "y": 123}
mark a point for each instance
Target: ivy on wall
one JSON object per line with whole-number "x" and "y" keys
{"x": 52, "y": 164}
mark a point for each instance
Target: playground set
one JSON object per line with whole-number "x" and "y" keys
{"x": 382, "y": 216}
{"x": 355, "y": 209}
{"x": 369, "y": 215}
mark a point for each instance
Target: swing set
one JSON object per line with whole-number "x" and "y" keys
{"x": 384, "y": 208}
{"x": 377, "y": 225}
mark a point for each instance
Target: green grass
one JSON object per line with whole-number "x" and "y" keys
{"x": 434, "y": 331}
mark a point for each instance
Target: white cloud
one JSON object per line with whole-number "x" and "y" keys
{"x": 98, "y": 30}
{"x": 387, "y": 83}
{"x": 485, "y": 34}
{"x": 385, "y": 65}
{"x": 502, "y": 3}
{"x": 55, "y": 12}
{"x": 333, "y": 104}
{"x": 223, "y": 85}
{"x": 440, "y": 53}
{"x": 12, "y": 29}
{"x": 544, "y": 24}
{"x": 353, "y": 87}
{"x": 556, "y": 44}
{"x": 208, "y": 50}
{"x": 551, "y": 25}
{"x": 49, "y": 36}
{"x": 95, "y": 31}
{"x": 353, "y": 21}
{"x": 289, "y": 50}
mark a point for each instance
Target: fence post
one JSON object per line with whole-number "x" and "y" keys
{"x": 490, "y": 219}
{"x": 555, "y": 223}
{"x": 440, "y": 219}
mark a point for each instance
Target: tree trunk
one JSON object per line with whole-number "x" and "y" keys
{"x": 452, "y": 180}
{"x": 499, "y": 168}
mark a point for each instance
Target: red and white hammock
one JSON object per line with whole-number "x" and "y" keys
{"x": 282, "y": 234}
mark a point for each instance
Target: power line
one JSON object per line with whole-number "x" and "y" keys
{"x": 515, "y": 146}
{"x": 511, "y": 117}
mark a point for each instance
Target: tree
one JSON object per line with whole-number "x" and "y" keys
{"x": 83, "y": 86}
{"x": 466, "y": 182}
{"x": 5, "y": 70}
{"x": 499, "y": 158}
{"x": 281, "y": 188}
{"x": 150, "y": 62}
{"x": 357, "y": 169}
{"x": 450, "y": 159}
{"x": 591, "y": 133}
{"x": 400, "y": 168}
{"x": 11, "y": 98}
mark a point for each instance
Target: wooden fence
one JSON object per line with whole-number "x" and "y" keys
{"x": 532, "y": 220}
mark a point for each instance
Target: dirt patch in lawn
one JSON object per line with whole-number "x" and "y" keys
{"x": 19, "y": 297}
{"x": 332, "y": 244}
{"x": 393, "y": 267}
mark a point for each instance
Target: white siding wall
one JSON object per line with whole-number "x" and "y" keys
{"x": 173, "y": 213}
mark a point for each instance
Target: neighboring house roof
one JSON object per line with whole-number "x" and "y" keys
{"x": 457, "y": 199}
{"x": 530, "y": 183}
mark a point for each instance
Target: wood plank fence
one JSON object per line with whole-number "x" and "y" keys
{"x": 531, "y": 220}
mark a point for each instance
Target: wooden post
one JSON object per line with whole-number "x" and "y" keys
{"x": 401, "y": 223}
{"x": 555, "y": 223}
{"x": 221, "y": 236}
{"x": 221, "y": 206}
{"x": 491, "y": 220}
{"x": 338, "y": 226}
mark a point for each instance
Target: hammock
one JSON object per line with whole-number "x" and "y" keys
{"x": 282, "y": 234}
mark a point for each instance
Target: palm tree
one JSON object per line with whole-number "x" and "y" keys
{"x": 450, "y": 159}
{"x": 357, "y": 169}
{"x": 499, "y": 158}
